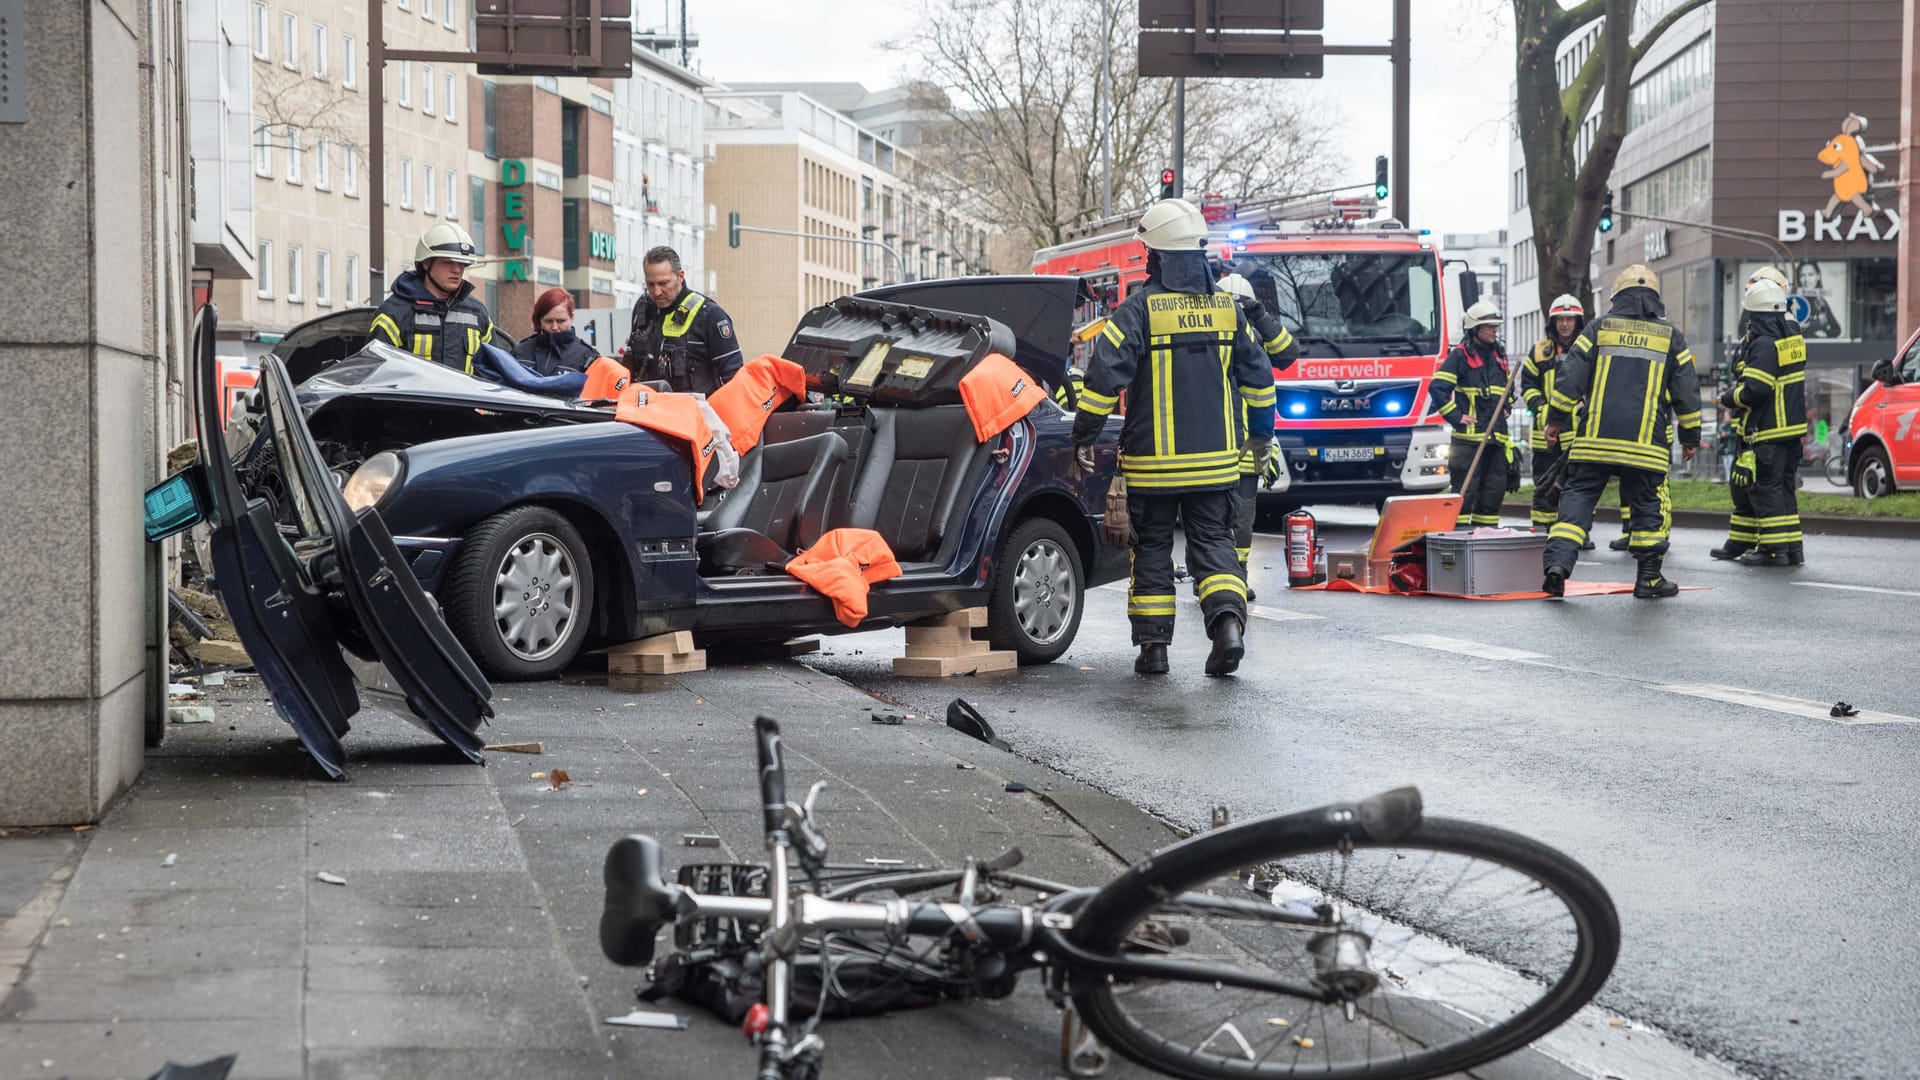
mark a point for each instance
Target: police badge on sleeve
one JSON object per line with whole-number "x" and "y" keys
{"x": 726, "y": 328}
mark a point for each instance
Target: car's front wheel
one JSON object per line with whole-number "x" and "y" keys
{"x": 520, "y": 593}
{"x": 1873, "y": 476}
{"x": 1039, "y": 589}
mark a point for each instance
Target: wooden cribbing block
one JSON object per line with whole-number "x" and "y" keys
{"x": 938, "y": 635}
{"x": 679, "y": 641}
{"x": 801, "y": 647}
{"x": 962, "y": 648}
{"x": 972, "y": 618}
{"x": 940, "y": 667}
{"x": 657, "y": 663}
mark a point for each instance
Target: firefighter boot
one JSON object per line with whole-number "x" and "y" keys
{"x": 1648, "y": 584}
{"x": 1228, "y": 646}
{"x": 1620, "y": 542}
{"x": 1556, "y": 583}
{"x": 1796, "y": 556}
{"x": 1731, "y": 550}
{"x": 1764, "y": 556}
{"x": 1152, "y": 659}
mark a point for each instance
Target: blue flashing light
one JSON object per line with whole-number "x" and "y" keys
{"x": 1392, "y": 405}
{"x": 1297, "y": 408}
{"x": 1236, "y": 234}
{"x": 1426, "y": 232}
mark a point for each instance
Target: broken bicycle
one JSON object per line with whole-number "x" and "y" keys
{"x": 1357, "y": 940}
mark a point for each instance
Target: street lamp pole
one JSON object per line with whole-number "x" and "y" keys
{"x": 1104, "y": 107}
{"x": 376, "y": 154}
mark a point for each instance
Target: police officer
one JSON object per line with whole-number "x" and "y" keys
{"x": 1770, "y": 405}
{"x": 1199, "y": 394}
{"x": 432, "y": 312}
{"x": 1537, "y": 374}
{"x": 1466, "y": 394}
{"x": 1743, "y": 525}
{"x": 679, "y": 336}
{"x": 1277, "y": 342}
{"x": 1644, "y": 368}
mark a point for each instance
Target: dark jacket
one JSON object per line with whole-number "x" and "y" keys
{"x": 551, "y": 354}
{"x": 1629, "y": 367}
{"x": 1771, "y": 394}
{"x": 445, "y": 331}
{"x": 1277, "y": 342}
{"x": 1467, "y": 388}
{"x": 690, "y": 346}
{"x": 1537, "y": 375}
{"x": 1198, "y": 386}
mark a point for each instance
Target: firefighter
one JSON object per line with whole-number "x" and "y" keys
{"x": 1743, "y": 527}
{"x": 1769, "y": 402}
{"x": 1466, "y": 393}
{"x": 1644, "y": 368}
{"x": 679, "y": 337}
{"x": 1277, "y": 343}
{"x": 432, "y": 312}
{"x": 1564, "y": 319}
{"x": 1199, "y": 395}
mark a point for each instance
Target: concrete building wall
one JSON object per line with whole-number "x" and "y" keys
{"x": 91, "y": 334}
{"x": 761, "y": 279}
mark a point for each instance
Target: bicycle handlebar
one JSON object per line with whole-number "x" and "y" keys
{"x": 773, "y": 774}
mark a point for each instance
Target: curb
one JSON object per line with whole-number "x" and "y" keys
{"x": 1883, "y": 528}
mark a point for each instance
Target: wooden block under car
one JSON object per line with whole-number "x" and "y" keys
{"x": 679, "y": 641}
{"x": 972, "y": 618}
{"x": 960, "y": 648}
{"x": 657, "y": 663}
{"x": 940, "y": 667}
{"x": 938, "y": 635}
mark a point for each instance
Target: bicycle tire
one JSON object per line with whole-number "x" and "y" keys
{"x": 1837, "y": 470}
{"x": 1275, "y": 844}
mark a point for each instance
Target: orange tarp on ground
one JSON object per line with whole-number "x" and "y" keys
{"x": 997, "y": 394}
{"x": 842, "y": 565}
{"x": 762, "y": 385}
{"x": 677, "y": 416}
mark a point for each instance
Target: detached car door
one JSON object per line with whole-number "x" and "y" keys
{"x": 303, "y": 577}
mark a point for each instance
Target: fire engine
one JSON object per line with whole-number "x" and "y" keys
{"x": 1365, "y": 300}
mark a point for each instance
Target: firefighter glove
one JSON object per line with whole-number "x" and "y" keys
{"x": 1741, "y": 475}
{"x": 1117, "y": 522}
{"x": 1272, "y": 467}
{"x": 1083, "y": 465}
{"x": 1513, "y": 469}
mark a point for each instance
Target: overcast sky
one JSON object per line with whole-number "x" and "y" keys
{"x": 1461, "y": 70}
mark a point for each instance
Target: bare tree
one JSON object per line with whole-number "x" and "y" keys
{"x": 1563, "y": 192}
{"x": 1017, "y": 125}
{"x": 291, "y": 108}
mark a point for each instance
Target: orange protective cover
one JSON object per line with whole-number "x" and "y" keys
{"x": 841, "y": 566}
{"x": 606, "y": 377}
{"x": 997, "y": 394}
{"x": 674, "y": 415}
{"x": 762, "y": 385}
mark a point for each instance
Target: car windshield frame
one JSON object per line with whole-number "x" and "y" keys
{"x": 1377, "y": 299}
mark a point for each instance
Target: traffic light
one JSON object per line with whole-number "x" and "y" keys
{"x": 1606, "y": 211}
{"x": 1380, "y": 177}
{"x": 1166, "y": 183}
{"x": 733, "y": 228}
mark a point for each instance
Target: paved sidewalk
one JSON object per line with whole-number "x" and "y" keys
{"x": 463, "y": 942}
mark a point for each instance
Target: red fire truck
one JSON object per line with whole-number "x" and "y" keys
{"x": 1365, "y": 300}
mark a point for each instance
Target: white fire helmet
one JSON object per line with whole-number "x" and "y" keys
{"x": 1173, "y": 225}
{"x": 1566, "y": 304}
{"x": 1764, "y": 295}
{"x": 1238, "y": 286}
{"x": 1484, "y": 313}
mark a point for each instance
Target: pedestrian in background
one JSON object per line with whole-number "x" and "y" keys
{"x": 1467, "y": 394}
{"x": 679, "y": 337}
{"x": 553, "y": 347}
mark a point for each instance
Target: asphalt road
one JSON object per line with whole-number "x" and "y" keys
{"x": 1761, "y": 854}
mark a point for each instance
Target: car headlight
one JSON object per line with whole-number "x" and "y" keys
{"x": 371, "y": 481}
{"x": 1435, "y": 451}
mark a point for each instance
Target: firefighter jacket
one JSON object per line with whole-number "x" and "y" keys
{"x": 690, "y": 346}
{"x": 1198, "y": 386}
{"x": 447, "y": 331}
{"x": 1771, "y": 393}
{"x": 1277, "y": 342}
{"x": 1537, "y": 375}
{"x": 1466, "y": 390}
{"x": 1629, "y": 367}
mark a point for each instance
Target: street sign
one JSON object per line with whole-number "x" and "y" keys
{"x": 1235, "y": 14}
{"x": 1228, "y": 56}
{"x": 554, "y": 37}
{"x": 1798, "y": 309}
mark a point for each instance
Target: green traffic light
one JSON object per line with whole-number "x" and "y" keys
{"x": 1380, "y": 191}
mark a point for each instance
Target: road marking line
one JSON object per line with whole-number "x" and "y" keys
{"x": 1813, "y": 710}
{"x": 1463, "y": 647}
{"x": 1852, "y": 588}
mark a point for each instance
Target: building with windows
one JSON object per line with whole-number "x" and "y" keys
{"x": 1484, "y": 255}
{"x": 311, "y": 176}
{"x": 660, "y": 157}
{"x": 219, "y": 137}
{"x": 787, "y": 160}
{"x": 1768, "y": 119}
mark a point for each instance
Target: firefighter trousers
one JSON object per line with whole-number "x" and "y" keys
{"x": 1645, "y": 492}
{"x": 1246, "y": 504}
{"x": 1545, "y": 511}
{"x": 1481, "y": 506}
{"x": 1776, "y": 506}
{"x": 1207, "y": 517}
{"x": 1743, "y": 526}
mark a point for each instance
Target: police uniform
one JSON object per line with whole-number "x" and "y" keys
{"x": 1198, "y": 387}
{"x": 1623, "y": 373}
{"x": 690, "y": 345}
{"x": 1465, "y": 392}
{"x": 1771, "y": 399}
{"x": 447, "y": 330}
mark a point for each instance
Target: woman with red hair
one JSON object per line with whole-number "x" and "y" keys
{"x": 553, "y": 347}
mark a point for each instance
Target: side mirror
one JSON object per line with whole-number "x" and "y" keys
{"x": 1883, "y": 373}
{"x": 1469, "y": 288}
{"x": 177, "y": 503}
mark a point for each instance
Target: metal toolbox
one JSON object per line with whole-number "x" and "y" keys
{"x": 1468, "y": 565}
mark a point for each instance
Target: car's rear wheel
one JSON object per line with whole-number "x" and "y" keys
{"x": 1039, "y": 589}
{"x": 1873, "y": 476}
{"x": 520, "y": 593}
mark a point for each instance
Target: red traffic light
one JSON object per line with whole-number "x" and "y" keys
{"x": 1166, "y": 176}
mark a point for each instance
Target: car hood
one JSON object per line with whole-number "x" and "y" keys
{"x": 381, "y": 370}
{"x": 321, "y": 342}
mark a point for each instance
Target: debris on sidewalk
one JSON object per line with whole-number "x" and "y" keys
{"x": 558, "y": 778}
{"x": 965, "y": 719}
{"x": 189, "y": 714}
{"x": 517, "y": 747}
{"x": 641, "y": 1019}
{"x": 218, "y": 651}
{"x": 171, "y": 859}
{"x": 214, "y": 1069}
{"x": 890, "y": 719}
{"x": 1841, "y": 708}
{"x": 330, "y": 879}
{"x": 1016, "y": 787}
{"x": 700, "y": 840}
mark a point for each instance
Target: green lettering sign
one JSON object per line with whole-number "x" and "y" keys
{"x": 512, "y": 172}
{"x": 515, "y": 233}
{"x": 516, "y": 270}
{"x": 513, "y": 204}
{"x": 600, "y": 245}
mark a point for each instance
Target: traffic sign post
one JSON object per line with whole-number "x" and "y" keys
{"x": 1798, "y": 309}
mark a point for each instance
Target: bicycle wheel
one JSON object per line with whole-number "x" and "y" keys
{"x": 1837, "y": 470}
{"x": 1478, "y": 941}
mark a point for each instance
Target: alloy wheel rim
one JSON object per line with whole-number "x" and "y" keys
{"x": 534, "y": 596}
{"x": 1044, "y": 593}
{"x": 1873, "y": 479}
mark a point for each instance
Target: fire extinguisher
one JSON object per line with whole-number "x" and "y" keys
{"x": 1302, "y": 547}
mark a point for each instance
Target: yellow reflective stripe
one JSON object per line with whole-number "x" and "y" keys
{"x": 1280, "y": 342}
{"x": 384, "y": 325}
{"x": 1567, "y": 530}
{"x": 1649, "y": 410}
{"x": 1222, "y": 477}
{"x": 1583, "y": 343}
{"x": 1446, "y": 377}
{"x": 1093, "y": 408}
{"x": 1150, "y": 604}
{"x": 1758, "y": 376}
{"x": 1113, "y": 333}
{"x": 1233, "y": 420}
{"x": 1106, "y": 401}
{"x": 1257, "y": 396}
{"x": 680, "y": 319}
{"x": 473, "y": 346}
{"x": 1222, "y": 583}
{"x": 1685, "y": 357}
{"x": 423, "y": 345}
{"x": 1448, "y": 407}
{"x": 1689, "y": 420}
{"x": 1192, "y": 313}
{"x": 1561, "y": 401}
{"x": 1164, "y": 462}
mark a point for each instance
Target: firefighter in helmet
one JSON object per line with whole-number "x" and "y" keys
{"x": 1277, "y": 342}
{"x": 1645, "y": 369}
{"x": 1564, "y": 318}
{"x": 1769, "y": 405}
{"x": 1199, "y": 394}
{"x": 1466, "y": 393}
{"x": 1743, "y": 525}
{"x": 432, "y": 312}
